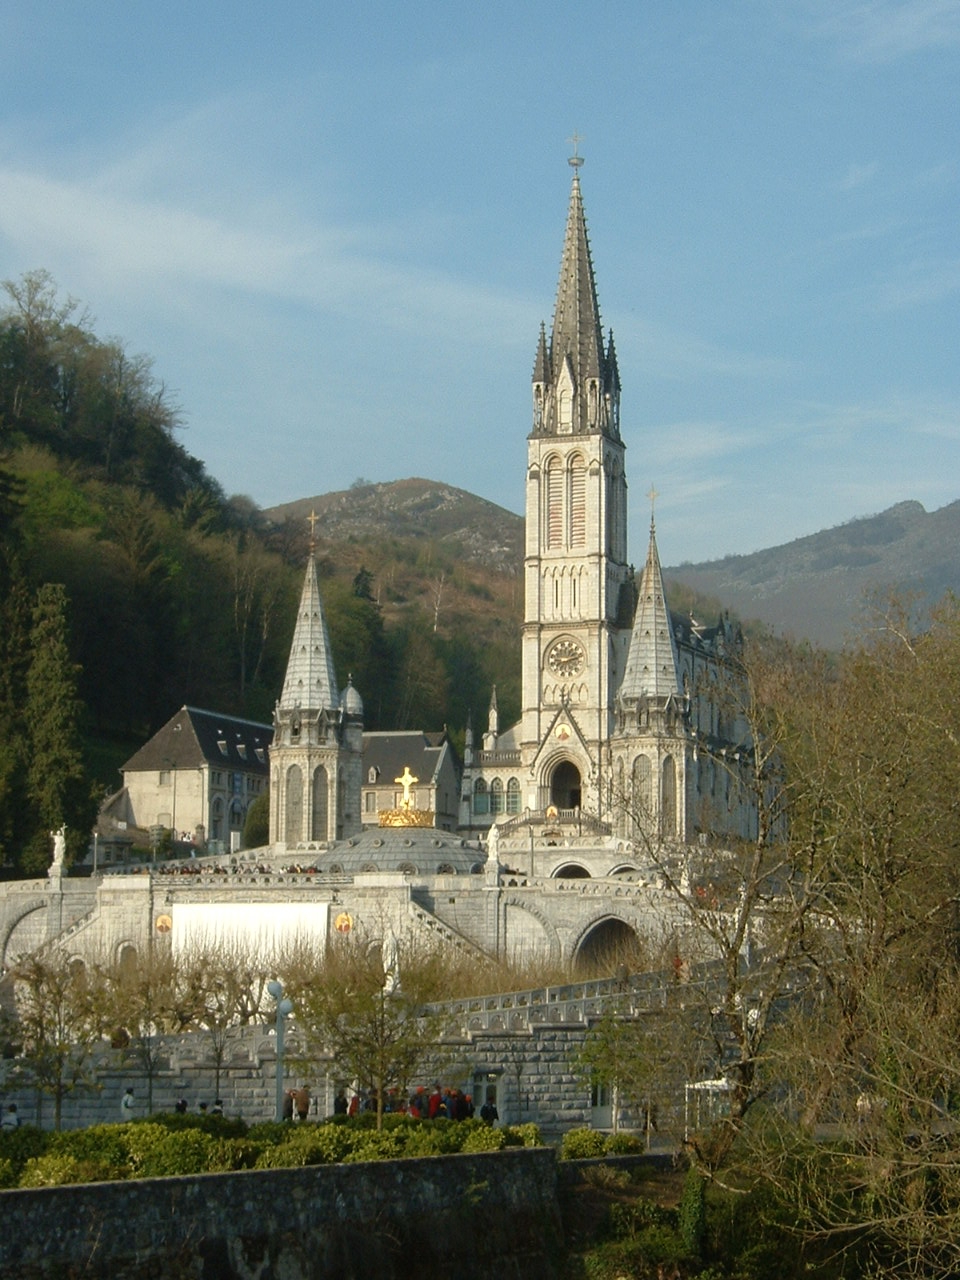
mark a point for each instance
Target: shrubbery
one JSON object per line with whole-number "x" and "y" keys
{"x": 583, "y": 1144}
{"x": 172, "y": 1145}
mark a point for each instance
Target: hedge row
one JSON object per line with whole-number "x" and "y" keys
{"x": 170, "y": 1146}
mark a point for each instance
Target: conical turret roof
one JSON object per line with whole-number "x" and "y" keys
{"x": 652, "y": 666}
{"x": 311, "y": 682}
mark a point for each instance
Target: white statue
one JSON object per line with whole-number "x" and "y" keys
{"x": 493, "y": 845}
{"x": 390, "y": 957}
{"x": 59, "y": 838}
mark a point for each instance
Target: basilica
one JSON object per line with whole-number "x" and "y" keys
{"x": 630, "y": 754}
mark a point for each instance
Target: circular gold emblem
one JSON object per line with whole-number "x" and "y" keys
{"x": 566, "y": 658}
{"x": 164, "y": 924}
{"x": 343, "y": 922}
{"x": 563, "y": 733}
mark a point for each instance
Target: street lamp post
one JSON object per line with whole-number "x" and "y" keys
{"x": 284, "y": 1006}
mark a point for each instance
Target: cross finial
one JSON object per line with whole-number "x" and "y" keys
{"x": 653, "y": 496}
{"x": 576, "y": 160}
{"x": 312, "y": 519}
{"x": 406, "y": 780}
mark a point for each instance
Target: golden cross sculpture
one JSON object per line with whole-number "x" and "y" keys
{"x": 653, "y": 496}
{"x": 312, "y": 519}
{"x": 406, "y": 780}
{"x": 576, "y": 160}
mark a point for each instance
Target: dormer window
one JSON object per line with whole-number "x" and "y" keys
{"x": 260, "y": 754}
{"x": 242, "y": 750}
{"x": 373, "y": 773}
{"x": 222, "y": 744}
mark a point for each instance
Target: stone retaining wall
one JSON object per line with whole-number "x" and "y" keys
{"x": 484, "y": 1217}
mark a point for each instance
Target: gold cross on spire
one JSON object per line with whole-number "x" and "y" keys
{"x": 312, "y": 519}
{"x": 406, "y": 780}
{"x": 576, "y": 160}
{"x": 653, "y": 496}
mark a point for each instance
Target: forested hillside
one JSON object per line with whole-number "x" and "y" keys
{"x": 130, "y": 585}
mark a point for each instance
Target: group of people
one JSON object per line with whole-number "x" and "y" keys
{"x": 128, "y": 1106}
{"x": 437, "y": 1104}
{"x": 296, "y": 1103}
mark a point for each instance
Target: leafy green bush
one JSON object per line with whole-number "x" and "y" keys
{"x": 308, "y": 1144}
{"x": 8, "y": 1175}
{"x": 269, "y": 1133}
{"x": 692, "y": 1213}
{"x": 522, "y": 1135}
{"x": 104, "y": 1145}
{"x": 158, "y": 1152}
{"x": 484, "y": 1139}
{"x": 387, "y": 1145}
{"x": 636, "y": 1216}
{"x": 624, "y": 1144}
{"x": 582, "y": 1144}
{"x": 58, "y": 1169}
{"x": 23, "y": 1144}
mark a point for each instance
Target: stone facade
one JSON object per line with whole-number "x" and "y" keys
{"x": 621, "y": 702}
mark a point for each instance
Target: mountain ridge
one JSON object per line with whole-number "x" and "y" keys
{"x": 815, "y": 587}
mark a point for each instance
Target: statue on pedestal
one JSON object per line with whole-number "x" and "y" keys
{"x": 59, "y": 838}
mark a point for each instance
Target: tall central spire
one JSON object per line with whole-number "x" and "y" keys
{"x": 576, "y": 317}
{"x": 575, "y": 378}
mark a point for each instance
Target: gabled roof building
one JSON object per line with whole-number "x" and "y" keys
{"x": 197, "y": 777}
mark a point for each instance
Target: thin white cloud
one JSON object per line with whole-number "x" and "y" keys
{"x": 687, "y": 442}
{"x": 675, "y": 355}
{"x": 882, "y": 31}
{"x": 858, "y": 175}
{"x": 922, "y": 282}
{"x": 128, "y": 238}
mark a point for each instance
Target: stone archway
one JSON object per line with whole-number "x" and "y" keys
{"x": 571, "y": 871}
{"x": 566, "y": 786}
{"x": 606, "y": 946}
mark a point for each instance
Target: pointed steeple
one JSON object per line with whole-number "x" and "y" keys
{"x": 541, "y": 366}
{"x": 652, "y": 670}
{"x": 576, "y": 387}
{"x": 576, "y": 317}
{"x": 310, "y": 682}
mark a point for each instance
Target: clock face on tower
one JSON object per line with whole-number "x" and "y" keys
{"x": 566, "y": 658}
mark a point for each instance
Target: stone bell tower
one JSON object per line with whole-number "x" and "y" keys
{"x": 317, "y": 753}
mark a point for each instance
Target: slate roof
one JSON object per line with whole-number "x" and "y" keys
{"x": 427, "y": 851}
{"x": 194, "y": 737}
{"x": 652, "y": 667}
{"x": 310, "y": 682}
{"x": 390, "y": 753}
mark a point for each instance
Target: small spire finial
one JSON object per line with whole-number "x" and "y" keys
{"x": 653, "y": 496}
{"x": 576, "y": 160}
{"x": 312, "y": 519}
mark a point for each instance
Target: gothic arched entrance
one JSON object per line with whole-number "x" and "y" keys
{"x": 565, "y": 786}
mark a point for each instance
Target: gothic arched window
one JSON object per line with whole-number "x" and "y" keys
{"x": 496, "y": 796}
{"x": 578, "y": 501}
{"x": 513, "y": 795}
{"x": 481, "y": 800}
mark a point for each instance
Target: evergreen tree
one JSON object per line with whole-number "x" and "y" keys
{"x": 57, "y": 785}
{"x": 15, "y": 625}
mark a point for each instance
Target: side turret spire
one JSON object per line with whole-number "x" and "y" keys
{"x": 310, "y": 682}
{"x": 652, "y": 670}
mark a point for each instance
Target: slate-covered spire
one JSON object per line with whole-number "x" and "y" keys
{"x": 576, "y": 317}
{"x": 310, "y": 683}
{"x": 575, "y": 379}
{"x": 652, "y": 670}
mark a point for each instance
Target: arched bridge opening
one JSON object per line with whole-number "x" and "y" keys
{"x": 611, "y": 946}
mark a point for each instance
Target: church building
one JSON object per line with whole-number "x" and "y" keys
{"x": 621, "y": 731}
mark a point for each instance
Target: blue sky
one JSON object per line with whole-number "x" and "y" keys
{"x": 336, "y": 231}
